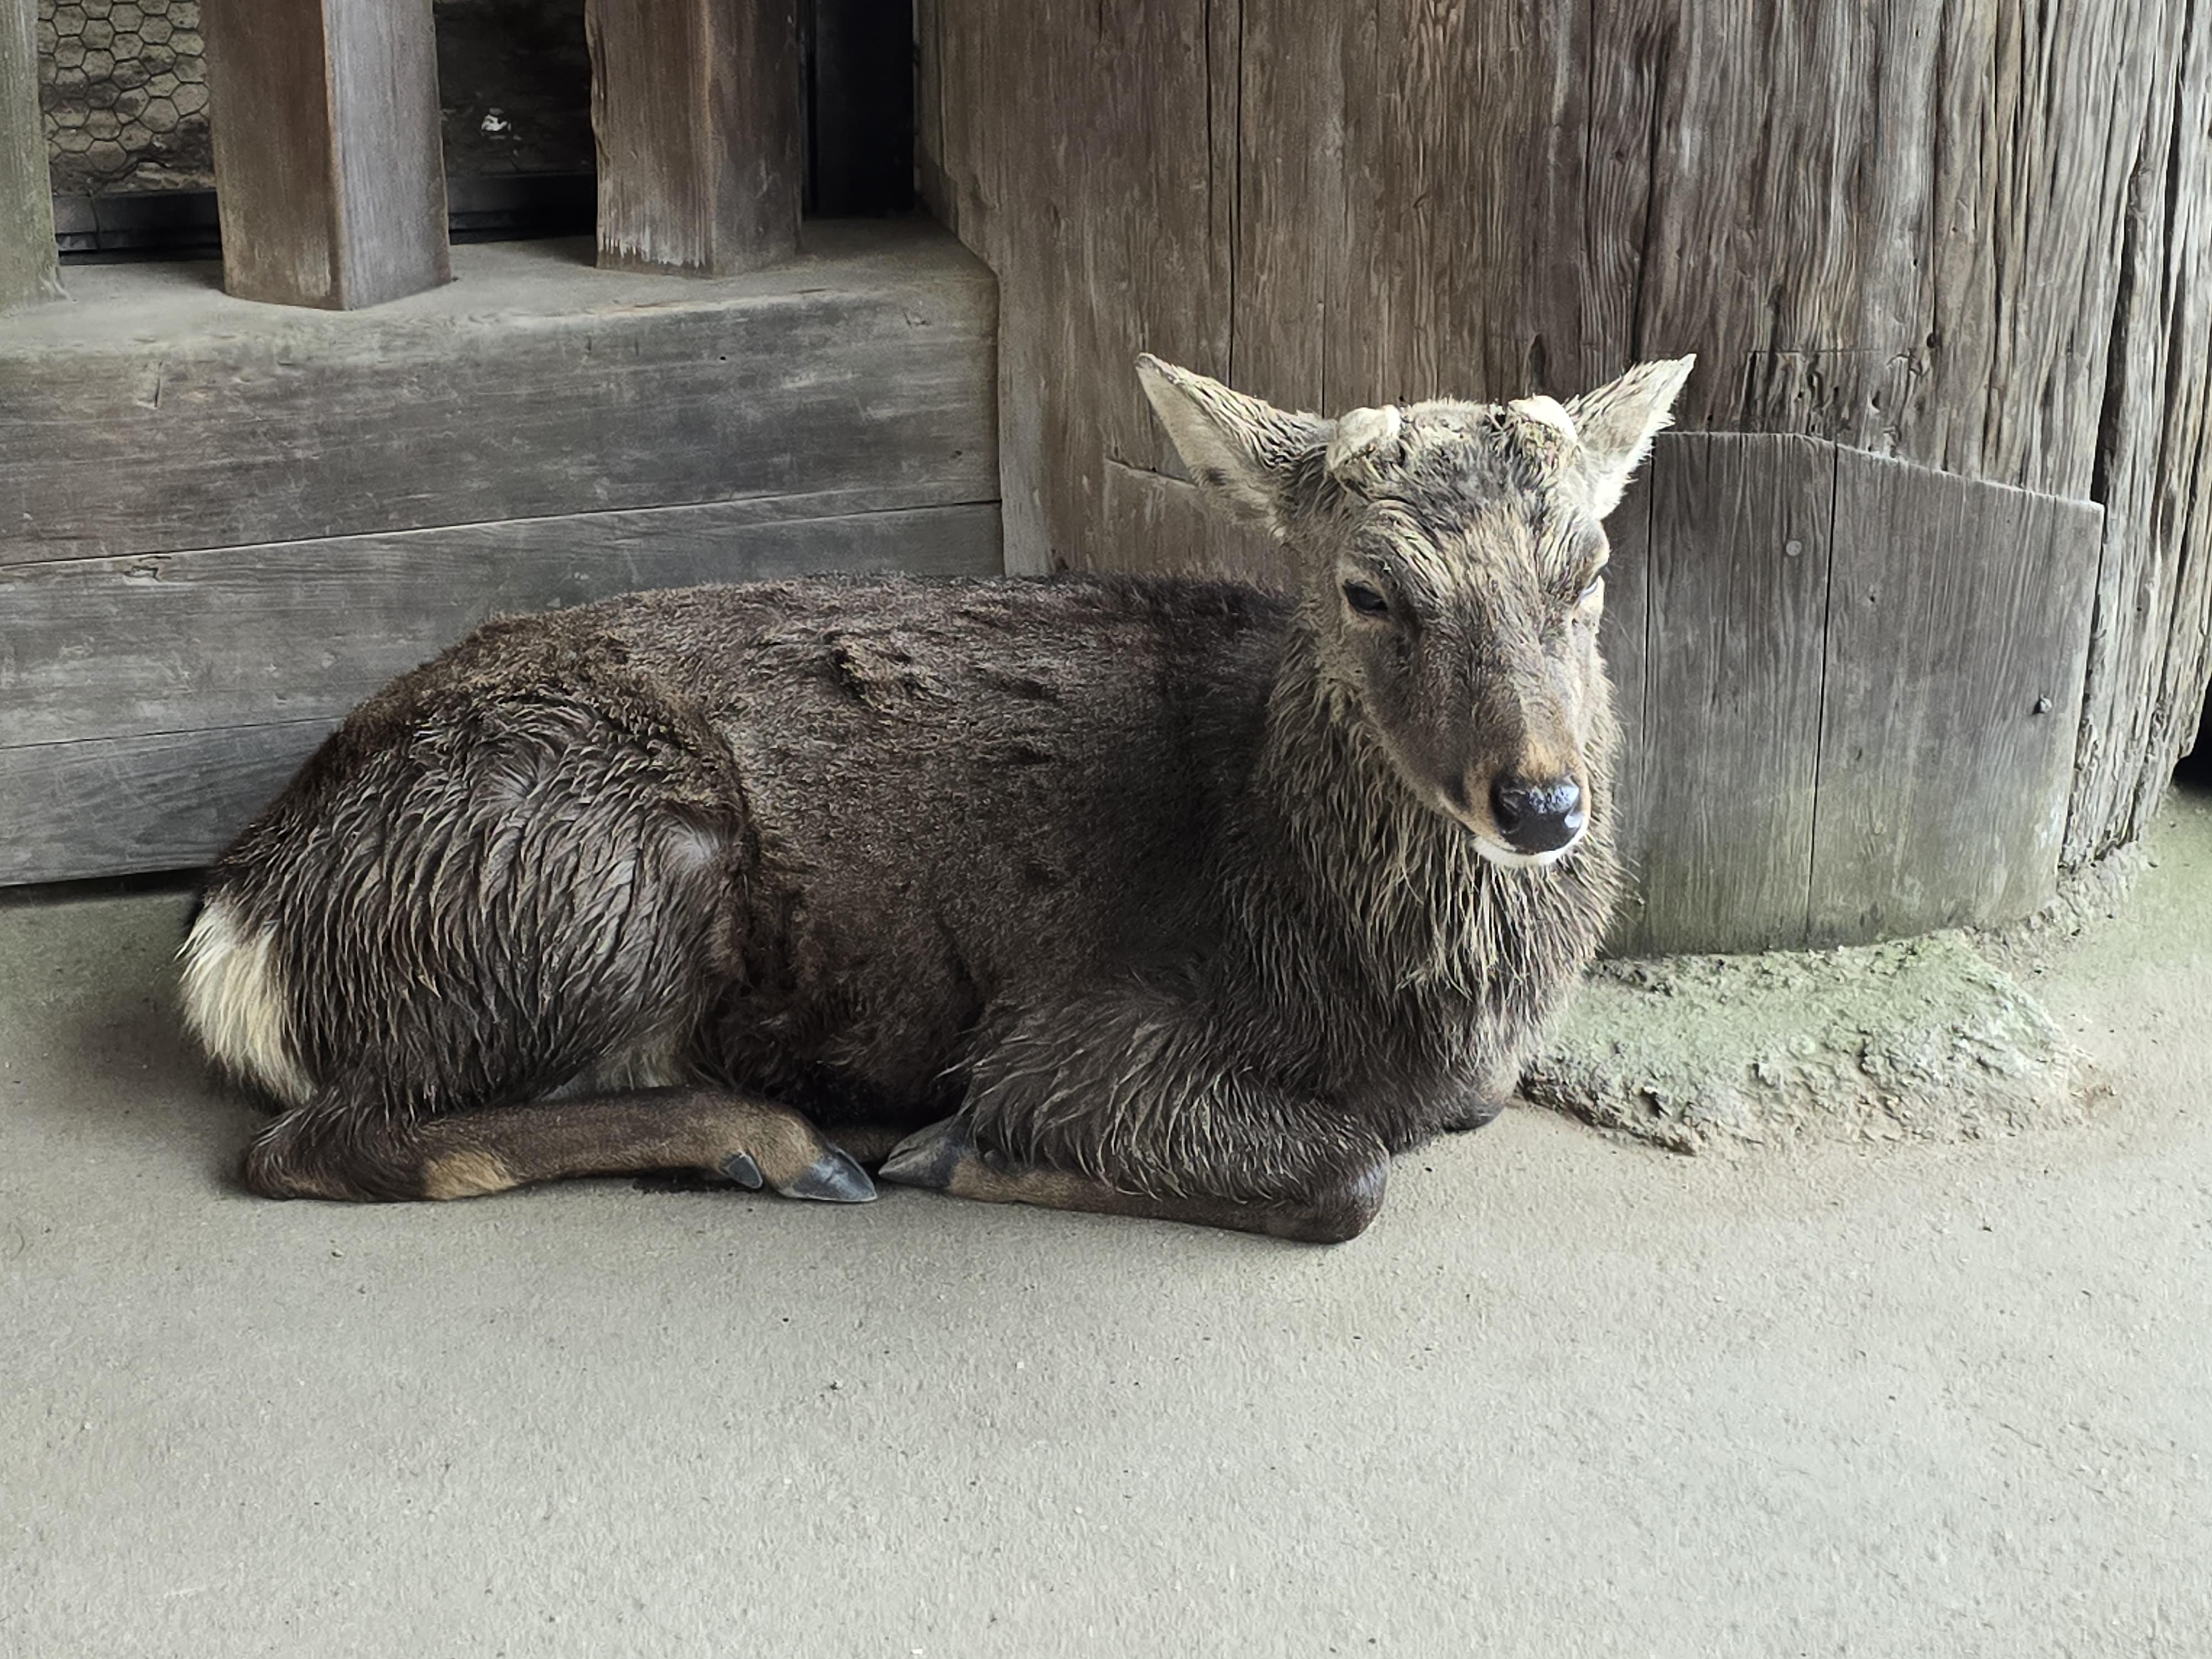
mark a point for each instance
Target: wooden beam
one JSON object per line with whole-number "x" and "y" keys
{"x": 29, "y": 269}
{"x": 330, "y": 167}
{"x": 697, "y": 109}
{"x": 101, "y": 648}
{"x": 160, "y": 414}
{"x": 222, "y": 673}
{"x": 1958, "y": 633}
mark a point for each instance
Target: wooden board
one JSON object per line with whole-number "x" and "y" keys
{"x": 1736, "y": 610}
{"x": 698, "y": 115}
{"x": 234, "y": 636}
{"x": 1623, "y": 637}
{"x": 1089, "y": 153}
{"x": 329, "y": 169}
{"x": 165, "y": 802}
{"x": 122, "y": 676}
{"x": 1958, "y": 631}
{"x": 159, "y": 414}
{"x": 29, "y": 269}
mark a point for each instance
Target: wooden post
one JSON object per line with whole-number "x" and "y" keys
{"x": 696, "y": 109}
{"x": 28, "y": 268}
{"x": 329, "y": 165}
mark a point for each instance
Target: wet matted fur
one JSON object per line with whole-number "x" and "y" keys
{"x": 1167, "y": 896}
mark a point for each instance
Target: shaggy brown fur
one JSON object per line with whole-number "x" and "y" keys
{"x": 1169, "y": 898}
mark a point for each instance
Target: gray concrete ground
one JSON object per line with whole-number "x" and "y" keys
{"x": 1570, "y": 1395}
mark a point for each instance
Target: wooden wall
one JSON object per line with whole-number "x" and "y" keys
{"x": 1976, "y": 237}
{"x": 223, "y": 524}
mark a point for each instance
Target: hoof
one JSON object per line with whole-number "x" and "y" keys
{"x": 832, "y": 1178}
{"x": 929, "y": 1157}
{"x": 740, "y": 1167}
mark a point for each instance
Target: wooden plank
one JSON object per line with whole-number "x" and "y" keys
{"x": 258, "y": 652}
{"x": 1089, "y": 153}
{"x": 1958, "y": 630}
{"x": 1737, "y": 613}
{"x": 1623, "y": 639}
{"x": 330, "y": 170}
{"x": 159, "y": 414}
{"x": 696, "y": 107}
{"x": 29, "y": 269}
{"x": 861, "y": 108}
{"x": 165, "y": 802}
{"x": 240, "y": 636}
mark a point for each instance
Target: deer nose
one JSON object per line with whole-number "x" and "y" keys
{"x": 1538, "y": 817}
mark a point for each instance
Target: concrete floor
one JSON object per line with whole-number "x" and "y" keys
{"x": 1569, "y": 1396}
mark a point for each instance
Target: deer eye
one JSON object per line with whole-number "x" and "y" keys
{"x": 1591, "y": 589}
{"x": 1365, "y": 600}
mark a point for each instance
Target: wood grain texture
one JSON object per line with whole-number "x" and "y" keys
{"x": 161, "y": 415}
{"x": 1623, "y": 638}
{"x": 170, "y": 801}
{"x": 29, "y": 269}
{"x": 242, "y": 635}
{"x": 209, "y": 676}
{"x": 1736, "y": 615}
{"x": 698, "y": 112}
{"x": 1090, "y": 151}
{"x": 1958, "y": 631}
{"x": 330, "y": 170}
{"x": 2149, "y": 659}
{"x": 1975, "y": 236}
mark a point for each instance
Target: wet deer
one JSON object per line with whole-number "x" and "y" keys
{"x": 1157, "y": 897}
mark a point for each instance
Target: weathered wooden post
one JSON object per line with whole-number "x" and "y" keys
{"x": 329, "y": 167}
{"x": 1917, "y": 609}
{"x": 696, "y": 107}
{"x": 29, "y": 269}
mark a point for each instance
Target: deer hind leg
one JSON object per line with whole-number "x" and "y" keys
{"x": 331, "y": 1148}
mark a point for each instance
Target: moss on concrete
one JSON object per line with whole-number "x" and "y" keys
{"x": 1921, "y": 1039}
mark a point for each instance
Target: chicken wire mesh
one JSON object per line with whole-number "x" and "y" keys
{"x": 122, "y": 88}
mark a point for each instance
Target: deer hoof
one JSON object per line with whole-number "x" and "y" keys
{"x": 929, "y": 1158}
{"x": 740, "y": 1167}
{"x": 832, "y": 1178}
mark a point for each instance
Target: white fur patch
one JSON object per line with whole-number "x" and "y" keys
{"x": 234, "y": 1003}
{"x": 1500, "y": 855}
{"x": 1360, "y": 433}
{"x": 1549, "y": 411}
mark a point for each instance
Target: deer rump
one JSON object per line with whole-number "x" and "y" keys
{"x": 1145, "y": 896}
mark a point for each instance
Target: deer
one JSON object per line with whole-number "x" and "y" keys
{"x": 1164, "y": 897}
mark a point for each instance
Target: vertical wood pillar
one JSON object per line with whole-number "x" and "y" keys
{"x": 329, "y": 165}
{"x": 28, "y": 268}
{"x": 696, "y": 106}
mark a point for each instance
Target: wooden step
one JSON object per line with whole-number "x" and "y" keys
{"x": 222, "y": 523}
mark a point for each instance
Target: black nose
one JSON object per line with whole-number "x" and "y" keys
{"x": 1537, "y": 818}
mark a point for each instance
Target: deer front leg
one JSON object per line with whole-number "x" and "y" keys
{"x": 945, "y": 1157}
{"x": 1130, "y": 1100}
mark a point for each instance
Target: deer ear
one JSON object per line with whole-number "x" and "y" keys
{"x": 1244, "y": 455}
{"x": 1613, "y": 427}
